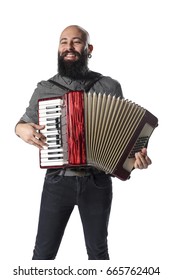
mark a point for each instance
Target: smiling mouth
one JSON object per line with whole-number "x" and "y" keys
{"x": 70, "y": 56}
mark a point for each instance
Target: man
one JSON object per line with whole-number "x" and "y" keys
{"x": 89, "y": 189}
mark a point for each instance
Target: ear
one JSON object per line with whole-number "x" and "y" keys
{"x": 90, "y": 48}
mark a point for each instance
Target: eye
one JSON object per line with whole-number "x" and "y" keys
{"x": 63, "y": 42}
{"x": 77, "y": 42}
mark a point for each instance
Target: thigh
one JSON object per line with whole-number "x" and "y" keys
{"x": 95, "y": 204}
{"x": 57, "y": 200}
{"x": 54, "y": 214}
{"x": 58, "y": 191}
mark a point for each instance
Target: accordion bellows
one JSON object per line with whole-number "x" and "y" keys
{"x": 90, "y": 129}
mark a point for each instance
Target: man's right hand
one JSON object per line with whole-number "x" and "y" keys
{"x": 28, "y": 132}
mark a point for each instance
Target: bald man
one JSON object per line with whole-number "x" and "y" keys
{"x": 87, "y": 188}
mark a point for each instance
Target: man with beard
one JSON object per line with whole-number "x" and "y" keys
{"x": 88, "y": 188}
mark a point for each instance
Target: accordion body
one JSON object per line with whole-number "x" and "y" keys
{"x": 90, "y": 129}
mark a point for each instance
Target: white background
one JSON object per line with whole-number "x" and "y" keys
{"x": 133, "y": 44}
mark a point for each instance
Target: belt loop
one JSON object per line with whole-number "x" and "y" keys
{"x": 63, "y": 172}
{"x": 92, "y": 173}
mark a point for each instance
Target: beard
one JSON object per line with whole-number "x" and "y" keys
{"x": 73, "y": 69}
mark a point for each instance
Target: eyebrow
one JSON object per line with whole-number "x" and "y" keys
{"x": 72, "y": 38}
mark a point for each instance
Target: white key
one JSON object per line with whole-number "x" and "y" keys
{"x": 57, "y": 101}
{"x": 54, "y": 163}
{"x": 46, "y": 152}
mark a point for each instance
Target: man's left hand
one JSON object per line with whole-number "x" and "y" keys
{"x": 142, "y": 161}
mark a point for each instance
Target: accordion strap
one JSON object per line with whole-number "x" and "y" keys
{"x": 92, "y": 82}
{"x": 57, "y": 84}
{"x": 86, "y": 88}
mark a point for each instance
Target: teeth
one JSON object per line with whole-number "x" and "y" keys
{"x": 70, "y": 54}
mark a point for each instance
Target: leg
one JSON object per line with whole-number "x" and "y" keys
{"x": 94, "y": 207}
{"x": 55, "y": 210}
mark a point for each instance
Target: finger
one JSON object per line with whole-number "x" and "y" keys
{"x": 39, "y": 136}
{"x": 40, "y": 143}
{"x": 37, "y": 126}
{"x": 140, "y": 161}
{"x": 37, "y": 143}
{"x": 31, "y": 142}
{"x": 144, "y": 151}
{"x": 139, "y": 164}
{"x": 148, "y": 160}
{"x": 145, "y": 160}
{"x": 38, "y": 146}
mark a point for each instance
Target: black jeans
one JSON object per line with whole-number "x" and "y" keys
{"x": 93, "y": 196}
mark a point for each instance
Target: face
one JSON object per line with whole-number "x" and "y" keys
{"x": 73, "y": 42}
{"x": 73, "y": 53}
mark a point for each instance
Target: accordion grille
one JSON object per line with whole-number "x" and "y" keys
{"x": 109, "y": 124}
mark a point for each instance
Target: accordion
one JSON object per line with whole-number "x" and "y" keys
{"x": 96, "y": 130}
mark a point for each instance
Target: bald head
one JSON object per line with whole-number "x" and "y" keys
{"x": 76, "y": 29}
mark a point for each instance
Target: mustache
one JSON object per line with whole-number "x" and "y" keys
{"x": 73, "y": 52}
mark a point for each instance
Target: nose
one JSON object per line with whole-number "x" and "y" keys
{"x": 70, "y": 46}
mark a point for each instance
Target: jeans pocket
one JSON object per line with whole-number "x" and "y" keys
{"x": 53, "y": 176}
{"x": 102, "y": 181}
